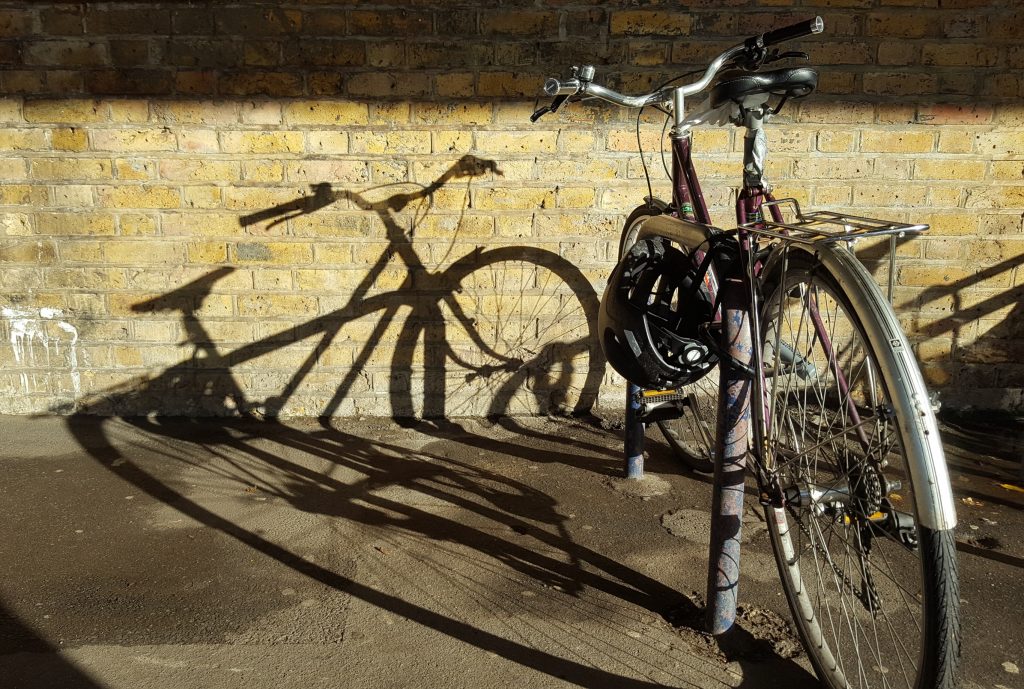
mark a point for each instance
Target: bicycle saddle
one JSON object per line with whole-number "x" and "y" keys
{"x": 793, "y": 82}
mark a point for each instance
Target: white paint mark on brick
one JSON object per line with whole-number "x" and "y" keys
{"x": 30, "y": 331}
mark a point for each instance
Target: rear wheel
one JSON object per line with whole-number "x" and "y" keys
{"x": 874, "y": 592}
{"x": 691, "y": 436}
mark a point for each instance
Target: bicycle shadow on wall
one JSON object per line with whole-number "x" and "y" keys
{"x": 377, "y": 488}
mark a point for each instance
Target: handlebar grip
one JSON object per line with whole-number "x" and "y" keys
{"x": 788, "y": 33}
{"x": 554, "y": 87}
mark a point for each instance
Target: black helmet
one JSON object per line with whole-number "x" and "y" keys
{"x": 650, "y": 314}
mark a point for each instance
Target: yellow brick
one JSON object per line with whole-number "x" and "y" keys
{"x": 991, "y": 251}
{"x": 13, "y": 168}
{"x": 530, "y": 142}
{"x": 1008, "y": 169}
{"x": 201, "y": 197}
{"x": 291, "y": 305}
{"x": 129, "y": 111}
{"x": 263, "y": 171}
{"x": 134, "y": 169}
{"x": 452, "y": 141}
{"x": 650, "y": 141}
{"x": 828, "y": 195}
{"x": 831, "y": 168}
{"x": 69, "y": 139}
{"x": 327, "y": 142}
{"x": 391, "y": 142}
{"x": 15, "y": 224}
{"x": 576, "y": 142}
{"x": 127, "y": 356}
{"x": 200, "y": 224}
{"x": 261, "y": 112}
{"x": 10, "y": 109}
{"x": 448, "y": 226}
{"x": 707, "y": 140}
{"x": 321, "y": 112}
{"x": 72, "y": 195}
{"x": 944, "y": 195}
{"x": 262, "y": 142}
{"x": 390, "y": 114}
{"x": 207, "y": 252}
{"x": 518, "y": 22}
{"x": 68, "y": 169}
{"x": 949, "y": 169}
{"x": 583, "y": 170}
{"x": 576, "y": 197}
{"x": 508, "y": 84}
{"x": 463, "y": 113}
{"x": 136, "y": 225}
{"x": 945, "y": 224}
{"x": 836, "y": 141}
{"x": 256, "y": 198}
{"x": 931, "y": 275}
{"x": 896, "y": 141}
{"x": 195, "y": 112}
{"x": 454, "y": 85}
{"x": 651, "y": 22}
{"x": 283, "y": 253}
{"x": 22, "y": 139}
{"x": 942, "y": 249}
{"x": 74, "y": 223}
{"x": 1001, "y": 143}
{"x": 145, "y": 196}
{"x": 133, "y": 140}
{"x": 888, "y": 195}
{"x": 199, "y": 170}
{"x": 198, "y": 141}
{"x": 143, "y": 251}
{"x": 511, "y": 199}
{"x": 330, "y": 171}
{"x": 71, "y": 110}
{"x": 81, "y": 252}
{"x": 954, "y": 141}
{"x": 996, "y": 197}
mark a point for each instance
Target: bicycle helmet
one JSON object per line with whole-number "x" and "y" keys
{"x": 650, "y": 314}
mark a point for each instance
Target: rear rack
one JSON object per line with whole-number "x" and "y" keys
{"x": 826, "y": 227}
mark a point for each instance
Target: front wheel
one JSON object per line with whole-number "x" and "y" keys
{"x": 871, "y": 584}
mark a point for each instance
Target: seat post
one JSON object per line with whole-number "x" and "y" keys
{"x": 755, "y": 144}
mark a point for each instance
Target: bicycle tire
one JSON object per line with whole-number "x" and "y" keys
{"x": 870, "y": 609}
{"x": 691, "y": 437}
{"x": 533, "y": 349}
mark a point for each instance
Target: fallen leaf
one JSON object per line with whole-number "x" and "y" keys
{"x": 972, "y": 502}
{"x": 1010, "y": 486}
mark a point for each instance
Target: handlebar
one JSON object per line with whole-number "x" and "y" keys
{"x": 793, "y": 31}
{"x": 751, "y": 53}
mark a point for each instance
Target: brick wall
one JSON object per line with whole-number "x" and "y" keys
{"x": 208, "y": 207}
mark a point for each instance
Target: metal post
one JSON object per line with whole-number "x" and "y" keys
{"x": 730, "y": 460}
{"x": 634, "y": 433}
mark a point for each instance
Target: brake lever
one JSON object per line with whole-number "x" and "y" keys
{"x": 556, "y": 103}
{"x": 776, "y": 56}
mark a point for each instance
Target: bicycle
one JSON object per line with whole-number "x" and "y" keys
{"x": 813, "y": 382}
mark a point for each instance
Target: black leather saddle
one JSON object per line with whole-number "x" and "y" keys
{"x": 795, "y": 82}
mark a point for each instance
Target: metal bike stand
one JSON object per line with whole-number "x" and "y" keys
{"x": 635, "y": 430}
{"x": 730, "y": 461}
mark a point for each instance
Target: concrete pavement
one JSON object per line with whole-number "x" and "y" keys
{"x": 174, "y": 553}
